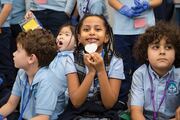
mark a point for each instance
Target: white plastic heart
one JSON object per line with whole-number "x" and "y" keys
{"x": 90, "y": 48}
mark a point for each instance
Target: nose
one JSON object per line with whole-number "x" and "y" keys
{"x": 14, "y": 53}
{"x": 162, "y": 50}
{"x": 60, "y": 37}
{"x": 92, "y": 32}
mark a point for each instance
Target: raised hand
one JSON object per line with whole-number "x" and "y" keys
{"x": 88, "y": 60}
{"x": 125, "y": 10}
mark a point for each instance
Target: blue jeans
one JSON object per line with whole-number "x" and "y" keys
{"x": 51, "y": 19}
{"x": 123, "y": 44}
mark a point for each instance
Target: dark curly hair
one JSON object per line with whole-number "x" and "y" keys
{"x": 39, "y": 42}
{"x": 161, "y": 30}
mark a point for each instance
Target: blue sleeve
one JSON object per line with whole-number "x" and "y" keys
{"x": 16, "y": 90}
{"x": 137, "y": 89}
{"x": 116, "y": 68}
{"x": 69, "y": 65}
{"x": 46, "y": 99}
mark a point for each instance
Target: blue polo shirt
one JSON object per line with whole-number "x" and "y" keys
{"x": 94, "y": 7}
{"x": 141, "y": 91}
{"x": 123, "y": 25}
{"x": 2, "y": 2}
{"x": 116, "y": 71}
{"x": 45, "y": 92}
{"x": 18, "y": 11}
{"x": 56, "y": 5}
{"x": 62, "y": 65}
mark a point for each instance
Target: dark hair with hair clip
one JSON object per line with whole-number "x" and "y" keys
{"x": 107, "y": 46}
{"x": 162, "y": 30}
{"x": 39, "y": 42}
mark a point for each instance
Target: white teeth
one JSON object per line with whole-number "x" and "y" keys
{"x": 92, "y": 40}
{"x": 90, "y": 48}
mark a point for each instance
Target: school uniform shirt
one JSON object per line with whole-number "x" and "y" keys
{"x": 141, "y": 94}
{"x": 18, "y": 11}
{"x": 94, "y": 7}
{"x": 56, "y": 5}
{"x": 128, "y": 28}
{"x": 62, "y": 65}
{"x": 116, "y": 70}
{"x": 43, "y": 93}
{"x": 2, "y": 2}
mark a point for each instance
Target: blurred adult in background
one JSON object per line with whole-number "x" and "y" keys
{"x": 131, "y": 18}
{"x": 165, "y": 10}
{"x": 51, "y": 14}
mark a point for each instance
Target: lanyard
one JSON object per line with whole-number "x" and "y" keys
{"x": 24, "y": 104}
{"x": 86, "y": 10}
{"x": 152, "y": 96}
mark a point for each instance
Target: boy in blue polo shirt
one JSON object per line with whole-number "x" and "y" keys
{"x": 155, "y": 90}
{"x": 35, "y": 84}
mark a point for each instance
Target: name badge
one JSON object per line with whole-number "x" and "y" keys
{"x": 140, "y": 22}
{"x": 41, "y": 1}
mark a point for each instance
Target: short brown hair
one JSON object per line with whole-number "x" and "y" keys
{"x": 39, "y": 42}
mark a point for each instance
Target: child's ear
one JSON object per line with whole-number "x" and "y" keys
{"x": 32, "y": 59}
{"x": 107, "y": 38}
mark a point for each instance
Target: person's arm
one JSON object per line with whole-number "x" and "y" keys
{"x": 79, "y": 92}
{"x": 10, "y": 106}
{"x": 178, "y": 113}
{"x": 137, "y": 94}
{"x": 137, "y": 113}
{"x": 41, "y": 117}
{"x": 115, "y": 4}
{"x": 109, "y": 88}
{"x": 123, "y": 9}
{"x": 5, "y": 13}
{"x": 155, "y": 3}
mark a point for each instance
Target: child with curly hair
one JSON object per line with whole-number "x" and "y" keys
{"x": 155, "y": 90}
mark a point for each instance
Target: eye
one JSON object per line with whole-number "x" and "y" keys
{"x": 168, "y": 47}
{"x": 155, "y": 47}
{"x": 60, "y": 34}
{"x": 98, "y": 29}
{"x": 67, "y": 34}
{"x": 85, "y": 29}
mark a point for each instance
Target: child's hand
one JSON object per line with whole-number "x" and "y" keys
{"x": 178, "y": 113}
{"x": 97, "y": 61}
{"x": 88, "y": 61}
{"x": 28, "y": 15}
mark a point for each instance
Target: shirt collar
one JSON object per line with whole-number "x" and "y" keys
{"x": 23, "y": 77}
{"x": 156, "y": 76}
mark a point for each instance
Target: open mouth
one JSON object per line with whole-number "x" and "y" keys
{"x": 92, "y": 40}
{"x": 60, "y": 43}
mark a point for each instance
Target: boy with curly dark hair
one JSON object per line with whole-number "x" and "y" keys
{"x": 155, "y": 90}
